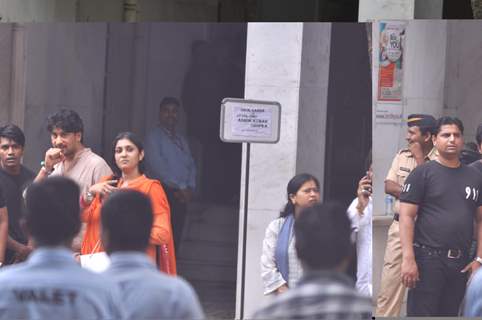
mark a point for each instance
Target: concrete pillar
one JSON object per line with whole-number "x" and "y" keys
{"x": 5, "y": 69}
{"x": 296, "y": 75}
{"x": 428, "y": 9}
{"x": 37, "y": 10}
{"x": 385, "y": 9}
{"x": 463, "y": 80}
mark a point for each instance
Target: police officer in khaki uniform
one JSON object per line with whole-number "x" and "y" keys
{"x": 420, "y": 149}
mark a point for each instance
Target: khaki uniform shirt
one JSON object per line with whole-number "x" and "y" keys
{"x": 403, "y": 163}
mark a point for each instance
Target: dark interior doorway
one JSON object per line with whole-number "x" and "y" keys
{"x": 349, "y": 111}
{"x": 349, "y": 120}
{"x": 307, "y": 10}
{"x": 457, "y": 9}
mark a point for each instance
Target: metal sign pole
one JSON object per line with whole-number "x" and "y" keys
{"x": 245, "y": 228}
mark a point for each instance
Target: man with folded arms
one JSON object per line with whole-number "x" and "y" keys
{"x": 439, "y": 202}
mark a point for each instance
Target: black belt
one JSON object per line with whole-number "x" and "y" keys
{"x": 396, "y": 216}
{"x": 449, "y": 253}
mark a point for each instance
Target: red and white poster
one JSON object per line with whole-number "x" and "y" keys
{"x": 390, "y": 61}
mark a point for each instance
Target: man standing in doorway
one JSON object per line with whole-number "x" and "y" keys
{"x": 169, "y": 160}
{"x": 420, "y": 149}
{"x": 70, "y": 158}
{"x": 439, "y": 202}
{"x": 14, "y": 179}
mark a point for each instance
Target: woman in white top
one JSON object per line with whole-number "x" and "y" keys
{"x": 360, "y": 213}
{"x": 280, "y": 267}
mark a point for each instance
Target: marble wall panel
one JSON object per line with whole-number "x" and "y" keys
{"x": 385, "y": 9}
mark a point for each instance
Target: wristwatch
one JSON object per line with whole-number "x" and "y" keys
{"x": 478, "y": 259}
{"x": 89, "y": 196}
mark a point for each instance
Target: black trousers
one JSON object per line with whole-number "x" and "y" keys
{"x": 178, "y": 216}
{"x": 441, "y": 287}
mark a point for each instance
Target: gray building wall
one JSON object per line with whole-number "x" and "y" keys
{"x": 442, "y": 77}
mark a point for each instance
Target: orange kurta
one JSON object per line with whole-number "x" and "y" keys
{"x": 161, "y": 232}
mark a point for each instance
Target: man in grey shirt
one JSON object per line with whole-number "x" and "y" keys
{"x": 50, "y": 284}
{"x": 146, "y": 293}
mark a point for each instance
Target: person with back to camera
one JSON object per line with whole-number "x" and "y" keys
{"x": 280, "y": 267}
{"x": 50, "y": 284}
{"x": 128, "y": 155}
{"x": 324, "y": 247}
{"x": 146, "y": 293}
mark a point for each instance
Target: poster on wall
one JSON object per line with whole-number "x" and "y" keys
{"x": 390, "y": 61}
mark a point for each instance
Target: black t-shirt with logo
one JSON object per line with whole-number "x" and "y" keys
{"x": 447, "y": 200}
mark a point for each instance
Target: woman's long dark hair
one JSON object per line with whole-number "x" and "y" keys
{"x": 132, "y": 137}
{"x": 293, "y": 186}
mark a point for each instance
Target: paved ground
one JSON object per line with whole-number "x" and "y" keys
{"x": 208, "y": 257}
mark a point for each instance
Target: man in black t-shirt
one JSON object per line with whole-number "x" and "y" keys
{"x": 444, "y": 197}
{"x": 14, "y": 178}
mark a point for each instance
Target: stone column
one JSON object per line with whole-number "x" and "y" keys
{"x": 5, "y": 69}
{"x": 293, "y": 70}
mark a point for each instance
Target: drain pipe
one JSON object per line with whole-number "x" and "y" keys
{"x": 130, "y": 10}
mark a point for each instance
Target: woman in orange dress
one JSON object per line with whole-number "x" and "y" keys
{"x": 128, "y": 173}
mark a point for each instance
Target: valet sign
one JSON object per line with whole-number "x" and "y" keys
{"x": 250, "y": 121}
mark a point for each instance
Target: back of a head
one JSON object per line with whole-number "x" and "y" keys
{"x": 52, "y": 211}
{"x": 323, "y": 236}
{"x": 126, "y": 221}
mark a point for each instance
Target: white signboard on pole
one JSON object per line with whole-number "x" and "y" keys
{"x": 250, "y": 121}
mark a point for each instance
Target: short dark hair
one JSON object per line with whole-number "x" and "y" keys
{"x": 132, "y": 137}
{"x": 13, "y": 132}
{"x": 446, "y": 120}
{"x": 67, "y": 120}
{"x": 322, "y": 235}
{"x": 52, "y": 211}
{"x": 292, "y": 188}
{"x": 168, "y": 101}
{"x": 478, "y": 135}
{"x": 127, "y": 217}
